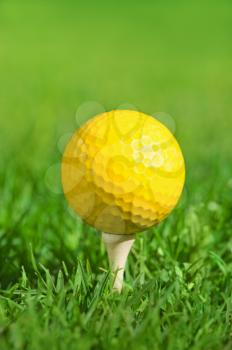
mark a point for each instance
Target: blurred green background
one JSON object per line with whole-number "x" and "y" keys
{"x": 169, "y": 57}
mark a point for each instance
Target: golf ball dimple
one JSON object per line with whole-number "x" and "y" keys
{"x": 123, "y": 171}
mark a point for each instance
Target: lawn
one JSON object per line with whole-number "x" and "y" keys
{"x": 60, "y": 63}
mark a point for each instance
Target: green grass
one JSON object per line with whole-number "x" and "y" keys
{"x": 55, "y": 288}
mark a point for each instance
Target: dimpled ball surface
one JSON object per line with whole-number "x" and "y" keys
{"x": 123, "y": 171}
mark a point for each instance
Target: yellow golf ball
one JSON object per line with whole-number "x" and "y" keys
{"x": 123, "y": 171}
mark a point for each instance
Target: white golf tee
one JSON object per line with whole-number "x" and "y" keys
{"x": 118, "y": 248}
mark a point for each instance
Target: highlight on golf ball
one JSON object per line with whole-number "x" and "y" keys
{"x": 123, "y": 172}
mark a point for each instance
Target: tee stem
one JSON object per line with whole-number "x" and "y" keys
{"x": 118, "y": 248}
